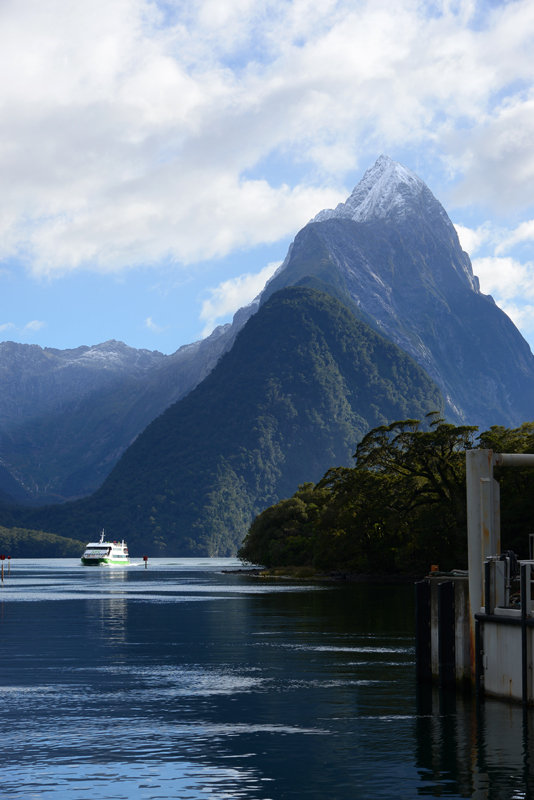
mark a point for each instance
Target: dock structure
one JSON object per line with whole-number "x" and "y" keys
{"x": 476, "y": 627}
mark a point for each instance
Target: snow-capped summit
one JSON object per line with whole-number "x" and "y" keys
{"x": 386, "y": 190}
{"x": 390, "y": 194}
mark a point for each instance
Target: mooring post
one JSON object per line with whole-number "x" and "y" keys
{"x": 479, "y": 667}
{"x": 525, "y": 609}
{"x": 446, "y": 634}
{"x": 423, "y": 646}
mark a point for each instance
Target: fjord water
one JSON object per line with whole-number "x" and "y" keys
{"x": 185, "y": 681}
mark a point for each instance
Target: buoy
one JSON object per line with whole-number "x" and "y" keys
{"x": 145, "y": 559}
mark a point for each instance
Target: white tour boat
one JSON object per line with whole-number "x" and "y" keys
{"x": 100, "y": 553}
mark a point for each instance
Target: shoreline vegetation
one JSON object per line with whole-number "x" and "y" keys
{"x": 292, "y": 573}
{"x": 401, "y": 509}
{"x": 23, "y": 543}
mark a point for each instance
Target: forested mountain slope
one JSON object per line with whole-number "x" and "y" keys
{"x": 66, "y": 416}
{"x": 302, "y": 384}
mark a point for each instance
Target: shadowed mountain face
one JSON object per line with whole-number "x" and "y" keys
{"x": 66, "y": 416}
{"x": 375, "y": 315}
{"x": 302, "y": 384}
{"x": 394, "y": 252}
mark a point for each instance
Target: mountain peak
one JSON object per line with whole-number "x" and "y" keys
{"x": 387, "y": 190}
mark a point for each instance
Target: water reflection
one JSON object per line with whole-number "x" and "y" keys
{"x": 479, "y": 750}
{"x": 110, "y": 615}
{"x": 181, "y": 779}
{"x": 189, "y": 682}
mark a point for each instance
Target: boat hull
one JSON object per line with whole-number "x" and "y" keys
{"x": 105, "y": 554}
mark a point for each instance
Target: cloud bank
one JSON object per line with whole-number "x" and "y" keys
{"x": 138, "y": 131}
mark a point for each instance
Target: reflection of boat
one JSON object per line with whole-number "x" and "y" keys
{"x": 101, "y": 553}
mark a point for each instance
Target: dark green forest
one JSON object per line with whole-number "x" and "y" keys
{"x": 304, "y": 381}
{"x": 401, "y": 508}
{"x": 22, "y": 543}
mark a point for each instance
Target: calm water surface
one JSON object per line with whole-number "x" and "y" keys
{"x": 187, "y": 682}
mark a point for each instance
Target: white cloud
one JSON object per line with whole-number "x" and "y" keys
{"x": 504, "y": 278}
{"x": 511, "y": 284}
{"x": 134, "y": 131}
{"x": 34, "y": 325}
{"x": 30, "y": 327}
{"x": 523, "y": 233}
{"x": 471, "y": 239}
{"x": 497, "y": 156}
{"x": 495, "y": 240}
{"x": 522, "y": 316}
{"x": 152, "y": 326}
{"x": 233, "y": 294}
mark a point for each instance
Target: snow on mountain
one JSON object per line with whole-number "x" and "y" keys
{"x": 113, "y": 355}
{"x": 391, "y": 248}
{"x": 393, "y": 251}
{"x": 387, "y": 189}
{"x": 390, "y": 193}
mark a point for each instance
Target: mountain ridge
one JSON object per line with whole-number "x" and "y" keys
{"x": 303, "y": 382}
{"x": 66, "y": 416}
{"x": 401, "y": 264}
{"x": 399, "y": 273}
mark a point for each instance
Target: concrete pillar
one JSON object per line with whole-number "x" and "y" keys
{"x": 483, "y": 521}
{"x": 483, "y": 528}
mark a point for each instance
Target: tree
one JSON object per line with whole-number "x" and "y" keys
{"x": 430, "y": 464}
{"x": 360, "y": 529}
{"x": 401, "y": 508}
{"x": 283, "y": 534}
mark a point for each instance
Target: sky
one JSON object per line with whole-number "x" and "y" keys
{"x": 158, "y": 157}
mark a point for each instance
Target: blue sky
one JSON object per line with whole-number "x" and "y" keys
{"x": 159, "y": 157}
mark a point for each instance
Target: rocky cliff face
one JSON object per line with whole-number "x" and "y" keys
{"x": 392, "y": 249}
{"x": 390, "y": 252}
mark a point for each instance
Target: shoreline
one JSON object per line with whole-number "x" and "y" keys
{"x": 309, "y": 574}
